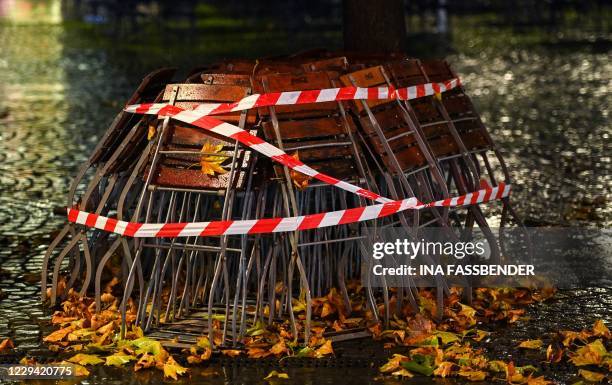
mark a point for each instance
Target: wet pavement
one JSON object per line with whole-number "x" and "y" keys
{"x": 546, "y": 103}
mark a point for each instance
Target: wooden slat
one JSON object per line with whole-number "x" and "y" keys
{"x": 369, "y": 77}
{"x": 307, "y": 128}
{"x": 206, "y": 92}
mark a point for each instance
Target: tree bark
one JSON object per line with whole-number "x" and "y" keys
{"x": 375, "y": 26}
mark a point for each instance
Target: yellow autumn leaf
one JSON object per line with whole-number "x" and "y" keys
{"x": 538, "y": 381}
{"x": 590, "y": 354}
{"x": 85, "y": 359}
{"x": 472, "y": 375}
{"x": 231, "y": 352}
{"x": 275, "y": 374}
{"x": 107, "y": 298}
{"x": 109, "y": 327}
{"x": 402, "y": 373}
{"x": 591, "y": 376}
{"x": 600, "y": 329}
{"x": 147, "y": 345}
{"x": 300, "y": 181}
{"x": 79, "y": 370}
{"x": 480, "y": 335}
{"x": 6, "y": 344}
{"x": 279, "y": 348}
{"x": 28, "y": 361}
{"x": 151, "y": 132}
{"x": 79, "y": 334}
{"x": 172, "y": 369}
{"x": 324, "y": 349}
{"x": 258, "y": 353}
{"x": 59, "y": 335}
{"x": 393, "y": 363}
{"x": 203, "y": 342}
{"x": 554, "y": 354}
{"x": 531, "y": 344}
{"x": 469, "y": 313}
{"x": 118, "y": 359}
{"x": 447, "y": 337}
{"x": 497, "y": 366}
{"x": 211, "y": 164}
{"x": 327, "y": 310}
{"x": 144, "y": 362}
{"x": 444, "y": 369}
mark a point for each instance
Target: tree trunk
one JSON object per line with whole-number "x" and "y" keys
{"x": 374, "y": 26}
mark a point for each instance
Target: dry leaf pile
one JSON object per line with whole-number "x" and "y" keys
{"x": 432, "y": 348}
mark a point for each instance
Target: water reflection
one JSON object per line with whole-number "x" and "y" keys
{"x": 27, "y": 11}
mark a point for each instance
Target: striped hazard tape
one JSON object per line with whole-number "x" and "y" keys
{"x": 277, "y": 225}
{"x": 200, "y": 117}
{"x": 287, "y": 98}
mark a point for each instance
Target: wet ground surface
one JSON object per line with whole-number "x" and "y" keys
{"x": 547, "y": 106}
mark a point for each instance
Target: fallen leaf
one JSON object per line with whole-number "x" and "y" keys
{"x": 447, "y": 337}
{"x": 590, "y": 354}
{"x": 210, "y": 163}
{"x": 467, "y": 315}
{"x": 275, "y": 374}
{"x": 59, "y": 319}
{"x": 600, "y": 329}
{"x": 324, "y": 349}
{"x": 59, "y": 335}
{"x": 28, "y": 361}
{"x": 591, "y": 376}
{"x": 147, "y": 345}
{"x": 279, "y": 348}
{"x": 480, "y": 335}
{"x": 258, "y": 352}
{"x": 231, "y": 352}
{"x": 79, "y": 370}
{"x": 172, "y": 369}
{"x": 300, "y": 181}
{"x": 554, "y": 354}
{"x": 497, "y": 366}
{"x": 203, "y": 342}
{"x": 151, "y": 132}
{"x": 444, "y": 369}
{"x": 472, "y": 375}
{"x": 327, "y": 308}
{"x": 85, "y": 359}
{"x": 107, "y": 298}
{"x": 119, "y": 359}
{"x": 531, "y": 344}
{"x": 144, "y": 362}
{"x": 402, "y": 373}
{"x": 393, "y": 363}
{"x": 6, "y": 345}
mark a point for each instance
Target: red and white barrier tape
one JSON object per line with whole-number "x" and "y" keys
{"x": 199, "y": 117}
{"x": 287, "y": 98}
{"x": 277, "y": 225}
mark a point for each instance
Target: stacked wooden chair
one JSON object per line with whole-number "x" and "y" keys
{"x": 153, "y": 170}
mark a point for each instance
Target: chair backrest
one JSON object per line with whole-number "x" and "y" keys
{"x": 318, "y": 131}
{"x": 184, "y": 170}
{"x": 455, "y": 102}
{"x": 388, "y": 115}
